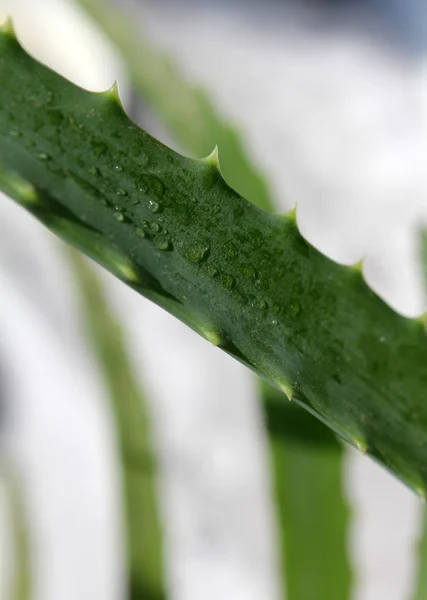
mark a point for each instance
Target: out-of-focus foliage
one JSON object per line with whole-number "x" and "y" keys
{"x": 138, "y": 459}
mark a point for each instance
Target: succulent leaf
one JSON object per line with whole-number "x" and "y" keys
{"x": 172, "y": 229}
{"x": 307, "y": 464}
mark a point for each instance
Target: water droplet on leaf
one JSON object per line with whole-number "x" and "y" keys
{"x": 197, "y": 253}
{"x": 228, "y": 281}
{"x": 154, "y": 206}
{"x": 294, "y": 309}
{"x": 212, "y": 271}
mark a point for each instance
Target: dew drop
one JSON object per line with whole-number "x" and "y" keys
{"x": 118, "y": 168}
{"x": 156, "y": 186}
{"x": 274, "y": 322}
{"x": 230, "y": 250}
{"x": 155, "y": 227}
{"x": 119, "y": 217}
{"x": 162, "y": 244}
{"x": 212, "y": 271}
{"x": 248, "y": 272}
{"x": 94, "y": 171}
{"x": 139, "y": 232}
{"x": 198, "y": 253}
{"x": 122, "y": 192}
{"x": 228, "y": 281}
{"x": 294, "y": 309}
{"x": 14, "y": 134}
{"x": 42, "y": 156}
{"x": 261, "y": 304}
{"x": 154, "y": 206}
{"x": 275, "y": 309}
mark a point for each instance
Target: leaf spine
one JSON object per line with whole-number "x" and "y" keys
{"x": 114, "y": 94}
{"x": 212, "y": 159}
{"x": 358, "y": 266}
{"x": 361, "y": 445}
{"x": 291, "y": 215}
{"x": 7, "y": 26}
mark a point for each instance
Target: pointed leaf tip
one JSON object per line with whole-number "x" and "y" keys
{"x": 361, "y": 445}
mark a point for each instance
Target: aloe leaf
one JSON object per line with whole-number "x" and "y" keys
{"x": 307, "y": 464}
{"x": 184, "y": 109}
{"x": 138, "y": 462}
{"x": 300, "y": 467}
{"x": 173, "y": 230}
{"x": 420, "y": 586}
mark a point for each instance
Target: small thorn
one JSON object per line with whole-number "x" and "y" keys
{"x": 361, "y": 445}
{"x": 114, "y": 93}
{"x": 286, "y": 389}
{"x": 421, "y": 492}
{"x": 212, "y": 159}
{"x": 212, "y": 335}
{"x": 292, "y": 214}
{"x": 126, "y": 271}
{"x": 358, "y": 267}
{"x": 7, "y": 26}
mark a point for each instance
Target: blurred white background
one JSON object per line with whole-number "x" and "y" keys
{"x": 331, "y": 98}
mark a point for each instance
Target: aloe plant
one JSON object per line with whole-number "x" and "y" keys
{"x": 295, "y": 459}
{"x": 172, "y": 229}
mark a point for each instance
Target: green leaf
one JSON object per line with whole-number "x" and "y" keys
{"x": 138, "y": 461}
{"x": 307, "y": 465}
{"x": 313, "y": 544}
{"x": 172, "y": 229}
